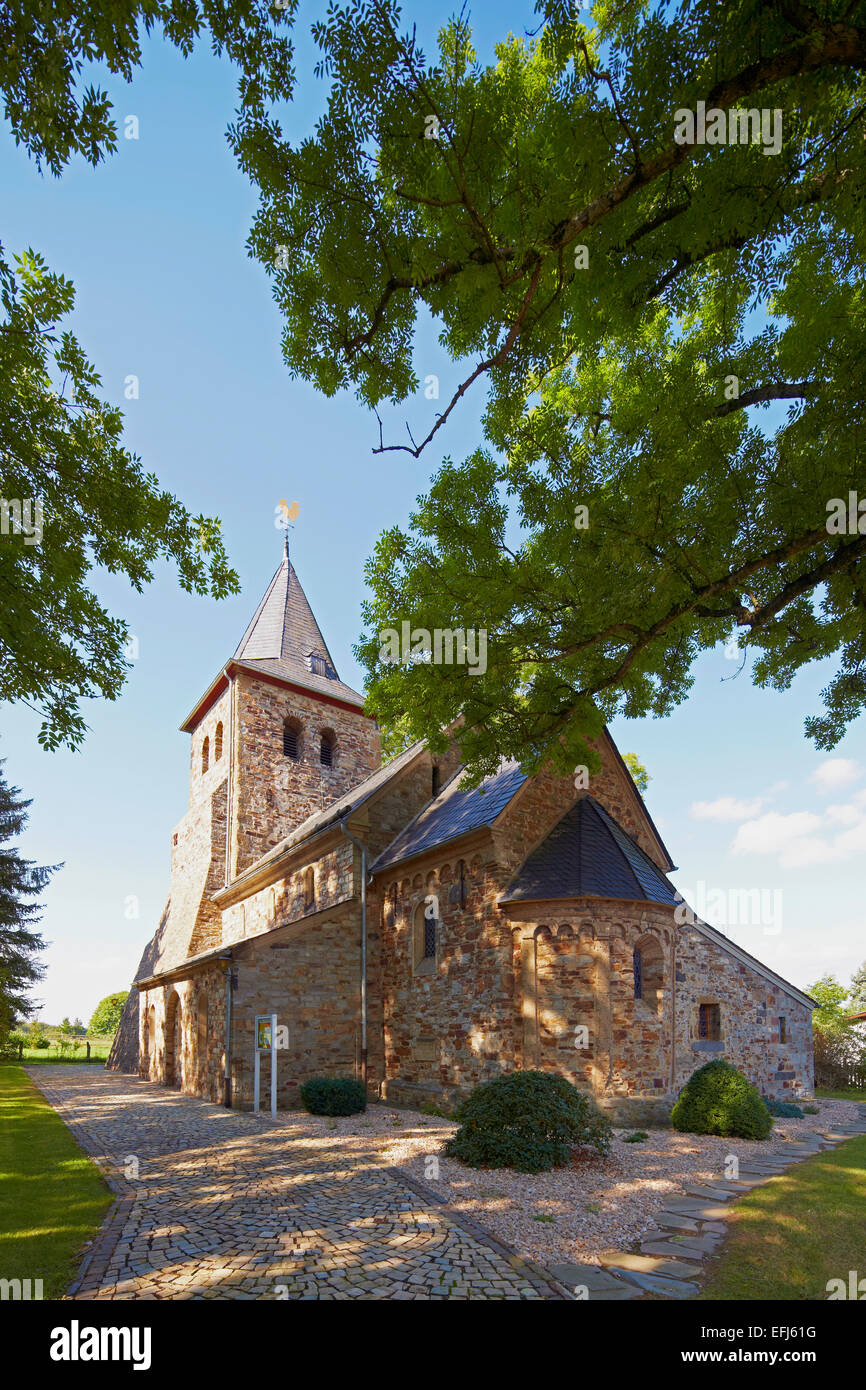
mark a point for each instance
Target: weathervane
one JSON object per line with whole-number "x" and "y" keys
{"x": 284, "y": 515}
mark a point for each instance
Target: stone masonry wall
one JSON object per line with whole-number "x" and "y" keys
{"x": 518, "y": 989}
{"x": 453, "y": 1027}
{"x": 201, "y": 1001}
{"x": 284, "y": 900}
{"x": 750, "y": 1008}
{"x": 312, "y": 983}
{"x": 274, "y": 793}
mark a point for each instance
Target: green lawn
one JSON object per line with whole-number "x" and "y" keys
{"x": 842, "y": 1095}
{"x": 52, "y": 1198}
{"x": 40, "y": 1056}
{"x": 789, "y": 1237}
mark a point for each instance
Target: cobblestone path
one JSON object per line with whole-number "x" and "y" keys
{"x": 219, "y": 1204}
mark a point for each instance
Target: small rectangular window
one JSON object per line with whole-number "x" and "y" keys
{"x": 783, "y": 1029}
{"x": 709, "y": 1023}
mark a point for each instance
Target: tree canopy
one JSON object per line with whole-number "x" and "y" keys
{"x": 73, "y": 498}
{"x": 107, "y": 1014}
{"x": 831, "y": 998}
{"x": 661, "y": 295}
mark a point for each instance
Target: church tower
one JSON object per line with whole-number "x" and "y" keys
{"x": 276, "y": 737}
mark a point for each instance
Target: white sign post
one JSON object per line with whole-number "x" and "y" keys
{"x": 265, "y": 1040}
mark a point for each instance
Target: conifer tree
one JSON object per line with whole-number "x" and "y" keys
{"x": 21, "y": 883}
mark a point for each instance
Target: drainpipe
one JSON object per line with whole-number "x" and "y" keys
{"x": 230, "y": 781}
{"x": 363, "y": 849}
{"x": 227, "y": 1078}
{"x": 673, "y": 1013}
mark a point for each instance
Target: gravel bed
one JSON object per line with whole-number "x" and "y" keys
{"x": 595, "y": 1204}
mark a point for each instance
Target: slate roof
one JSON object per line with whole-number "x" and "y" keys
{"x": 587, "y": 855}
{"x": 455, "y": 811}
{"x": 283, "y": 634}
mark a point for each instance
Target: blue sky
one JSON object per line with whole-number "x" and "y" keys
{"x": 154, "y": 243}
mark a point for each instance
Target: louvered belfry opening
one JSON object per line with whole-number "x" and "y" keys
{"x": 290, "y": 741}
{"x": 326, "y": 751}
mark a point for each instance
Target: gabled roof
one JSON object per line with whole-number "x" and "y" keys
{"x": 455, "y": 811}
{"x": 283, "y": 639}
{"x": 587, "y": 855}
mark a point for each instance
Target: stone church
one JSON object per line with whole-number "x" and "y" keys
{"x": 417, "y": 934}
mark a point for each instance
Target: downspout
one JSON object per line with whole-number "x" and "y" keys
{"x": 227, "y": 1078}
{"x": 230, "y": 782}
{"x": 673, "y": 1013}
{"x": 363, "y": 849}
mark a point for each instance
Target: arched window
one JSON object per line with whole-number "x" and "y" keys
{"x": 326, "y": 750}
{"x": 649, "y": 968}
{"x": 291, "y": 739}
{"x": 205, "y": 754}
{"x": 426, "y": 935}
{"x": 309, "y": 882}
{"x": 218, "y": 742}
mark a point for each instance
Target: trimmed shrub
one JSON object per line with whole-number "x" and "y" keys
{"x": 526, "y": 1120}
{"x": 718, "y": 1099}
{"x": 334, "y": 1095}
{"x": 783, "y": 1109}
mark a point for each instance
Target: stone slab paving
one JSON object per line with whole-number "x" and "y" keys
{"x": 220, "y": 1204}
{"x": 692, "y": 1225}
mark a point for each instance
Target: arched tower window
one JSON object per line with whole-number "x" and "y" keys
{"x": 291, "y": 739}
{"x": 205, "y": 754}
{"x": 326, "y": 749}
{"x": 218, "y": 742}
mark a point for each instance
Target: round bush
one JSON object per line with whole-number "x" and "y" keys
{"x": 334, "y": 1095}
{"x": 526, "y": 1120}
{"x": 718, "y": 1099}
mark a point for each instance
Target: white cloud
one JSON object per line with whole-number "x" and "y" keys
{"x": 774, "y": 833}
{"x": 803, "y": 838}
{"x": 727, "y": 808}
{"x": 835, "y": 773}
